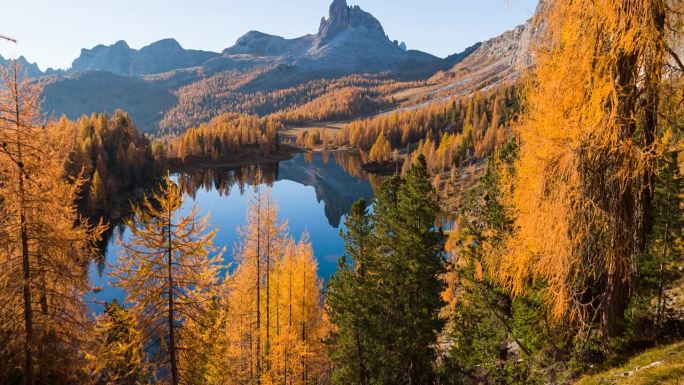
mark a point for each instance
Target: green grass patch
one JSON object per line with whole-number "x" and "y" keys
{"x": 663, "y": 365}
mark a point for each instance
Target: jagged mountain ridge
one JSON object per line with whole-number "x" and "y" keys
{"x": 349, "y": 41}
{"x": 32, "y": 70}
{"x": 500, "y": 59}
{"x": 161, "y": 56}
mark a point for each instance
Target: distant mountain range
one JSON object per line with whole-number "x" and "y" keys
{"x": 150, "y": 81}
{"x": 31, "y": 69}
{"x": 162, "y": 56}
{"x": 349, "y": 41}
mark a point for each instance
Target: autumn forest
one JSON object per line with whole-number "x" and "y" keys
{"x": 475, "y": 225}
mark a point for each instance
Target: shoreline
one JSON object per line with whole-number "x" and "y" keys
{"x": 247, "y": 158}
{"x": 244, "y": 158}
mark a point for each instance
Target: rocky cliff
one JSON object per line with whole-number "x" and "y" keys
{"x": 502, "y": 58}
{"x": 32, "y": 70}
{"x": 350, "y": 40}
{"x": 119, "y": 58}
{"x": 343, "y": 17}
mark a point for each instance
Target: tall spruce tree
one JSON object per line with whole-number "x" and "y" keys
{"x": 349, "y": 301}
{"x": 394, "y": 289}
{"x": 418, "y": 259}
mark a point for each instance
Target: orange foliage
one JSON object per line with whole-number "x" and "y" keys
{"x": 582, "y": 182}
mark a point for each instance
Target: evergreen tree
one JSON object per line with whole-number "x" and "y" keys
{"x": 401, "y": 286}
{"x": 657, "y": 269}
{"x": 492, "y": 337}
{"x": 416, "y": 264}
{"x": 348, "y": 301}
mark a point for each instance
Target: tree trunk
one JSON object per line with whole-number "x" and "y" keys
{"x": 28, "y": 311}
{"x": 289, "y": 321}
{"x": 304, "y": 324}
{"x": 268, "y": 280}
{"x": 359, "y": 351}
{"x": 172, "y": 337}
{"x": 26, "y": 264}
{"x": 258, "y": 290}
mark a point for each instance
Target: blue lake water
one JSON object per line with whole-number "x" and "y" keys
{"x": 313, "y": 193}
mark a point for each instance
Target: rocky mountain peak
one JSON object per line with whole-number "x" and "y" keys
{"x": 342, "y": 17}
{"x": 30, "y": 69}
{"x": 168, "y": 45}
{"x": 161, "y": 56}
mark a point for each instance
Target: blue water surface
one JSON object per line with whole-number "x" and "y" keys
{"x": 313, "y": 193}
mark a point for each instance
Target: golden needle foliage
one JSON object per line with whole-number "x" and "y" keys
{"x": 581, "y": 190}
{"x": 277, "y": 323}
{"x": 381, "y": 150}
{"x": 169, "y": 270}
{"x": 45, "y": 247}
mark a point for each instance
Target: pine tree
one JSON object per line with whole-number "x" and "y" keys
{"x": 169, "y": 274}
{"x": 418, "y": 263}
{"x": 665, "y": 243}
{"x": 657, "y": 270}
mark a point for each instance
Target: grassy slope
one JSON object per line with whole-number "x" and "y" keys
{"x": 670, "y": 371}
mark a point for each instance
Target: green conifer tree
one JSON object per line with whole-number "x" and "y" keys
{"x": 391, "y": 294}
{"x": 349, "y": 300}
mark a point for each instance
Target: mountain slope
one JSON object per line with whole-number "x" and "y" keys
{"x": 87, "y": 92}
{"x": 502, "y": 58}
{"x": 263, "y": 73}
{"x": 349, "y": 41}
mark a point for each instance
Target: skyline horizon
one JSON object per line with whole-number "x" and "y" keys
{"x": 32, "y": 48}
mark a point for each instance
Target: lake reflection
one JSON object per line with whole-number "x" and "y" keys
{"x": 313, "y": 193}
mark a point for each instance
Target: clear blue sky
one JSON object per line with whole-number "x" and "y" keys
{"x": 52, "y": 32}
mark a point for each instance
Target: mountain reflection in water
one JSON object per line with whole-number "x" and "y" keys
{"x": 313, "y": 193}
{"x": 337, "y": 179}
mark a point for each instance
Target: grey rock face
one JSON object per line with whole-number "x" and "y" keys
{"x": 350, "y": 40}
{"x": 500, "y": 59}
{"x": 343, "y": 17}
{"x": 119, "y": 58}
{"x": 31, "y": 69}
